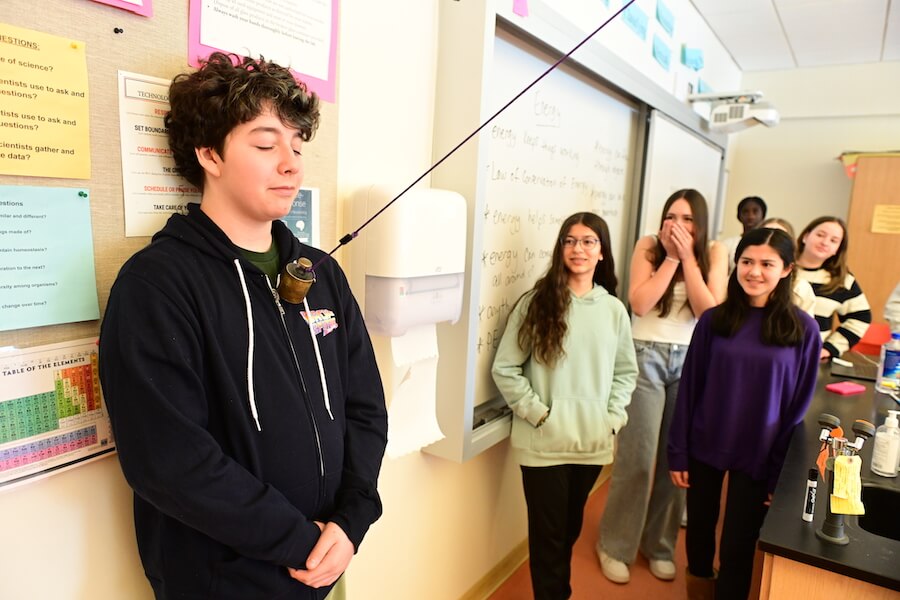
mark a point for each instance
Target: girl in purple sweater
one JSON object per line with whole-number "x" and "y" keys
{"x": 748, "y": 378}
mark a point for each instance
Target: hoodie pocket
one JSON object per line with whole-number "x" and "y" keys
{"x": 575, "y": 425}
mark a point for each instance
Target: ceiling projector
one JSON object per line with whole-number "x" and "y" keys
{"x": 736, "y": 111}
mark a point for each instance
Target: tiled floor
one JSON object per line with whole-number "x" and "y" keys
{"x": 588, "y": 583}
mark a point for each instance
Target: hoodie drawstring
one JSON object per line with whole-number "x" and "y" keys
{"x": 312, "y": 332}
{"x": 250, "y": 344}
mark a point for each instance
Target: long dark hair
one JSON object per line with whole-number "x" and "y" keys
{"x": 781, "y": 320}
{"x": 835, "y": 265}
{"x": 657, "y": 254}
{"x": 544, "y": 326}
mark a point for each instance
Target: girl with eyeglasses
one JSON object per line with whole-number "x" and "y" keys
{"x": 676, "y": 275}
{"x": 749, "y": 376}
{"x": 566, "y": 367}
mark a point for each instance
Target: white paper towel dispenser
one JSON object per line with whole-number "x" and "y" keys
{"x": 412, "y": 256}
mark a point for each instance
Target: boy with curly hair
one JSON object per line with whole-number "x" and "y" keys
{"x": 251, "y": 428}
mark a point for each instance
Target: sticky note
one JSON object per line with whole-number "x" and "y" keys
{"x": 846, "y": 498}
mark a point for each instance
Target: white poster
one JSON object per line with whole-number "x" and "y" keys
{"x": 152, "y": 191}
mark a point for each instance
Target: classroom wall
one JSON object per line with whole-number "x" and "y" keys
{"x": 824, "y": 111}
{"x": 71, "y": 536}
{"x": 445, "y": 524}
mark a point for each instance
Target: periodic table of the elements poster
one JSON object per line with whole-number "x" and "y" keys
{"x": 52, "y": 414}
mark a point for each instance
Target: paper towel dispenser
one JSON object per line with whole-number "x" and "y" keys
{"x": 412, "y": 256}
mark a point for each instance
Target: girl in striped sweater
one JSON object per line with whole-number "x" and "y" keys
{"x": 823, "y": 263}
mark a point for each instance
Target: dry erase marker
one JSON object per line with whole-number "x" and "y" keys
{"x": 809, "y": 502}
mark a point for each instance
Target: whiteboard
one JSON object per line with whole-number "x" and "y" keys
{"x": 565, "y": 146}
{"x": 678, "y": 159}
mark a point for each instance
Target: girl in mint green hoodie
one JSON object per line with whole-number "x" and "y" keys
{"x": 566, "y": 367}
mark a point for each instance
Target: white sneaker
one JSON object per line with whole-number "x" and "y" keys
{"x": 614, "y": 570}
{"x": 663, "y": 569}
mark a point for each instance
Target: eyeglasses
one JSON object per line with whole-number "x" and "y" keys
{"x": 588, "y": 243}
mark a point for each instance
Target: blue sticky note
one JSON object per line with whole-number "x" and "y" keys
{"x": 661, "y": 52}
{"x": 605, "y": 3}
{"x": 665, "y": 17}
{"x": 703, "y": 87}
{"x": 46, "y": 257}
{"x": 637, "y": 20}
{"x": 692, "y": 58}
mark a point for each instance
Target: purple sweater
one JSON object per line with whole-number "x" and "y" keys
{"x": 739, "y": 399}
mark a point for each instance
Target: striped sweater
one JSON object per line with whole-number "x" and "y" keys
{"x": 849, "y": 304}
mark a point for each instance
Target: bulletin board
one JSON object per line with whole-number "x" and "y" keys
{"x": 117, "y": 40}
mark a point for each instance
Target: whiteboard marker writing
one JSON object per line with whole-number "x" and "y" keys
{"x": 809, "y": 502}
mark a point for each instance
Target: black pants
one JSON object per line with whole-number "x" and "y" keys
{"x": 744, "y": 514}
{"x": 555, "y": 497}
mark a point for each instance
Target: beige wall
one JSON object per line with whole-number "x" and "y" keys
{"x": 824, "y": 112}
{"x": 445, "y": 524}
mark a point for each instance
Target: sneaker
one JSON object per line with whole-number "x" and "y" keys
{"x": 663, "y": 569}
{"x": 614, "y": 570}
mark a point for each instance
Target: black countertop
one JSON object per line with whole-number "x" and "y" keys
{"x": 867, "y": 557}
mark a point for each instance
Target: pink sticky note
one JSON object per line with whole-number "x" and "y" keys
{"x": 520, "y": 7}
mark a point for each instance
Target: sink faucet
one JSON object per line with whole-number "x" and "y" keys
{"x": 832, "y": 529}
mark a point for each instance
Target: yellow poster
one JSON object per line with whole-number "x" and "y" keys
{"x": 43, "y": 105}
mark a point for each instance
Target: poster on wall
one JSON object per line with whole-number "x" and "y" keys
{"x": 46, "y": 257}
{"x": 52, "y": 414}
{"x": 151, "y": 189}
{"x": 293, "y": 33}
{"x": 44, "y": 118}
{"x": 140, "y": 7}
{"x": 303, "y": 220}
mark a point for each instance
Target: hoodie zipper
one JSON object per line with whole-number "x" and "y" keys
{"x": 307, "y": 401}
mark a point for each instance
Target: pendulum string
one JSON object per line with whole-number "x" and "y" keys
{"x": 350, "y": 236}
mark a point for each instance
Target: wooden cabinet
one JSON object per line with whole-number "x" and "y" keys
{"x": 874, "y": 258}
{"x": 787, "y": 579}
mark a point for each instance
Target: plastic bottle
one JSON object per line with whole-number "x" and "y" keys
{"x": 887, "y": 446}
{"x": 889, "y": 366}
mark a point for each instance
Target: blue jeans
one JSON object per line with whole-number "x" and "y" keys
{"x": 644, "y": 508}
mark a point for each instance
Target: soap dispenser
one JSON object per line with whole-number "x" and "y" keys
{"x": 887, "y": 446}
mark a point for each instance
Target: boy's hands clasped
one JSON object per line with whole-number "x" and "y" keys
{"x": 329, "y": 557}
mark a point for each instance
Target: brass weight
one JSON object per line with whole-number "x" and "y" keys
{"x": 296, "y": 280}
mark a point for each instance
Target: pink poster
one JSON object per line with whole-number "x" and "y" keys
{"x": 141, "y": 7}
{"x": 303, "y": 39}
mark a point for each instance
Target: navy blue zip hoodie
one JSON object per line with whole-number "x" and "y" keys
{"x": 233, "y": 434}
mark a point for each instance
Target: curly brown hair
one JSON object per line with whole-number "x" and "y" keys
{"x": 224, "y": 92}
